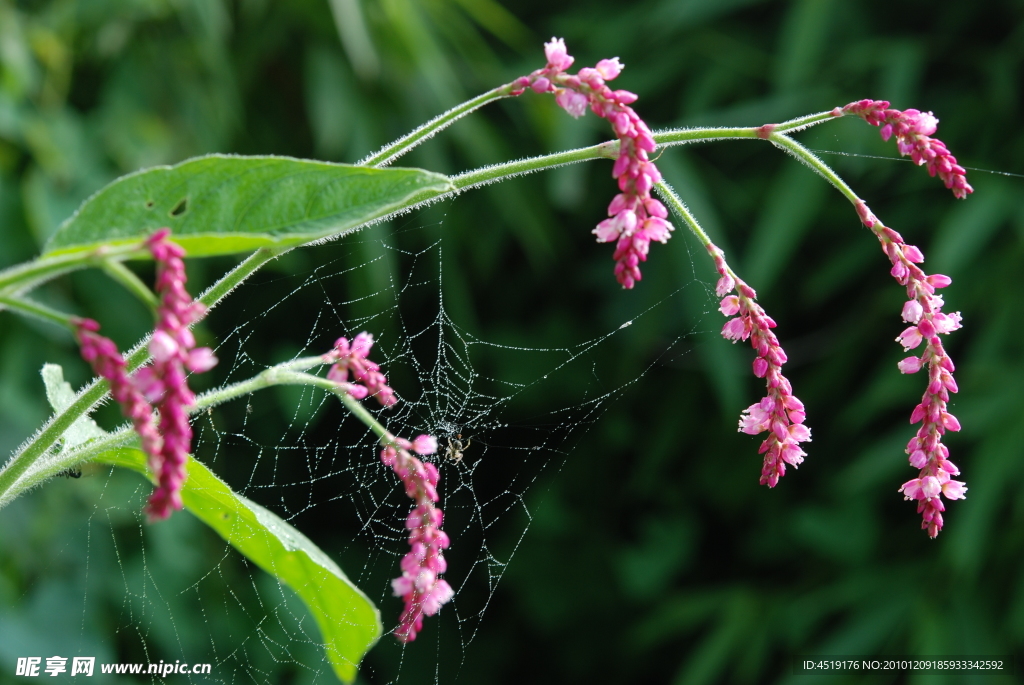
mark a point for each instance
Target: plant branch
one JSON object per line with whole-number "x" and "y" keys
{"x": 126, "y": 277}
{"x": 393, "y": 151}
{"x": 23, "y": 277}
{"x": 17, "y": 279}
{"x": 287, "y": 373}
{"x": 814, "y": 162}
{"x": 44, "y": 440}
{"x": 610, "y": 149}
{"x": 676, "y": 204}
{"x": 36, "y": 311}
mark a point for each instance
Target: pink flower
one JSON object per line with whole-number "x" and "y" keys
{"x": 107, "y": 362}
{"x": 173, "y": 350}
{"x": 420, "y": 586}
{"x": 572, "y": 102}
{"x": 424, "y": 444}
{"x": 913, "y": 130}
{"x": 609, "y": 68}
{"x": 353, "y": 357}
{"x": 779, "y": 413}
{"x": 558, "y": 56}
{"x": 924, "y": 311}
{"x": 164, "y": 383}
{"x": 637, "y": 219}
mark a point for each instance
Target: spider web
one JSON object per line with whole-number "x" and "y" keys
{"x": 319, "y": 469}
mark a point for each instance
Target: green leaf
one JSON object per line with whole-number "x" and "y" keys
{"x": 60, "y": 395}
{"x": 222, "y": 204}
{"x": 349, "y": 623}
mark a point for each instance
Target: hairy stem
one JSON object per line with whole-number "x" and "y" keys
{"x": 287, "y": 373}
{"x": 610, "y": 149}
{"x": 393, "y": 151}
{"x": 814, "y": 162}
{"x": 676, "y": 204}
{"x": 23, "y": 277}
{"x": 500, "y": 172}
{"x": 36, "y": 311}
{"x": 126, "y": 277}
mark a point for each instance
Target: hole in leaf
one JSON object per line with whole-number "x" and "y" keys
{"x": 149, "y": 204}
{"x": 180, "y": 208}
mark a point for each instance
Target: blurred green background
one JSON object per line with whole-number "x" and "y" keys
{"x": 651, "y": 553}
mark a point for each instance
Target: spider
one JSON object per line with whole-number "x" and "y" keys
{"x": 455, "y": 448}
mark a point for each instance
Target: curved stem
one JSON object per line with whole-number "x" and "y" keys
{"x": 132, "y": 283}
{"x": 23, "y": 277}
{"x": 36, "y": 311}
{"x": 675, "y": 203}
{"x": 610, "y": 149}
{"x": 394, "y": 150}
{"x": 814, "y": 162}
{"x": 287, "y": 373}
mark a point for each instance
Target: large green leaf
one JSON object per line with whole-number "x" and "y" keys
{"x": 222, "y": 204}
{"x": 349, "y": 623}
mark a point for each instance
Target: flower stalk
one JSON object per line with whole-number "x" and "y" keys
{"x": 780, "y": 412}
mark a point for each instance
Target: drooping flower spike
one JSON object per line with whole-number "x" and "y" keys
{"x": 779, "y": 412}
{"x": 368, "y": 378}
{"x": 636, "y": 218}
{"x": 420, "y": 585}
{"x": 105, "y": 359}
{"x": 163, "y": 384}
{"x": 913, "y": 131}
{"x": 923, "y": 311}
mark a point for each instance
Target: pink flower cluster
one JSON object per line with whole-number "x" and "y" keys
{"x": 923, "y": 310}
{"x": 368, "y": 378}
{"x": 105, "y": 359}
{"x": 913, "y": 130}
{"x": 419, "y": 585}
{"x": 779, "y": 412}
{"x": 635, "y": 217}
{"x": 163, "y": 384}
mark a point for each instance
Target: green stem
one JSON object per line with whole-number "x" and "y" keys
{"x": 23, "y": 277}
{"x": 500, "y": 172}
{"x": 279, "y": 376}
{"x": 394, "y": 150}
{"x": 288, "y": 373}
{"x": 800, "y": 123}
{"x": 90, "y": 396}
{"x": 399, "y": 147}
{"x": 814, "y": 162}
{"x": 610, "y": 149}
{"x": 676, "y": 204}
{"x": 36, "y": 311}
{"x": 126, "y": 277}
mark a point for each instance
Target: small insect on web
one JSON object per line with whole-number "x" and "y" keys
{"x": 456, "y": 448}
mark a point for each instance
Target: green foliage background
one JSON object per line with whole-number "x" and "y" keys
{"x": 652, "y": 555}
